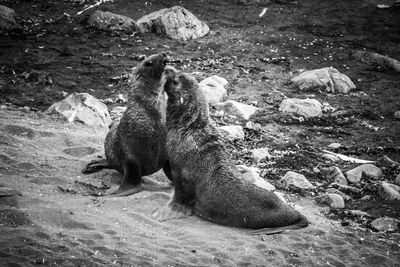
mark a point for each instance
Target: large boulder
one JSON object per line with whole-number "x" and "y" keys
{"x": 175, "y": 22}
{"x": 304, "y": 107}
{"x": 108, "y": 21}
{"x": 328, "y": 79}
{"x": 214, "y": 89}
{"x": 82, "y": 107}
{"x": 8, "y": 20}
{"x": 236, "y": 109}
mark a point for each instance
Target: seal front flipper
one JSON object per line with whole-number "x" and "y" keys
{"x": 172, "y": 210}
{"x": 302, "y": 223}
{"x": 96, "y": 165}
{"x": 130, "y": 183}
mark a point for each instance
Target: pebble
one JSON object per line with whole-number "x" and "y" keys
{"x": 385, "y": 224}
{"x": 397, "y": 115}
{"x": 332, "y": 200}
{"x": 334, "y": 145}
{"x": 345, "y": 196}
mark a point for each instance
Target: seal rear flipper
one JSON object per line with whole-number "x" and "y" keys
{"x": 96, "y": 165}
{"x": 172, "y": 210}
{"x": 302, "y": 223}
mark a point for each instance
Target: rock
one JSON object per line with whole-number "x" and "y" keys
{"x": 236, "y": 109}
{"x": 334, "y": 201}
{"x": 385, "y": 224}
{"x": 253, "y": 125}
{"x": 82, "y": 107}
{"x": 334, "y": 145}
{"x": 331, "y": 157}
{"x": 354, "y": 175}
{"x": 214, "y": 89}
{"x": 375, "y": 60}
{"x": 340, "y": 193}
{"x": 252, "y": 175}
{"x": 175, "y": 22}
{"x": 346, "y": 188}
{"x": 80, "y": 151}
{"x": 232, "y": 132}
{"x": 358, "y": 213}
{"x": 258, "y": 154}
{"x": 389, "y": 191}
{"x": 328, "y": 79}
{"x": 8, "y": 20}
{"x": 397, "y": 115}
{"x": 304, "y": 107}
{"x": 108, "y": 21}
{"x": 397, "y": 180}
{"x": 293, "y": 180}
{"x": 336, "y": 176}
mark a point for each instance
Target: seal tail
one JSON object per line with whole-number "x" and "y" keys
{"x": 302, "y": 223}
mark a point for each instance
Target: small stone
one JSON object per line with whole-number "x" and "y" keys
{"x": 397, "y": 180}
{"x": 354, "y": 176}
{"x": 175, "y": 22}
{"x": 8, "y": 20}
{"x": 331, "y": 157}
{"x": 253, "y": 125}
{"x": 334, "y": 145}
{"x": 80, "y": 151}
{"x": 252, "y": 175}
{"x": 366, "y": 198}
{"x": 214, "y": 89}
{"x": 293, "y": 180}
{"x": 332, "y": 200}
{"x": 337, "y": 191}
{"x": 335, "y": 175}
{"x": 259, "y": 154}
{"x": 388, "y": 191}
{"x": 397, "y": 115}
{"x": 232, "y": 132}
{"x": 108, "y": 21}
{"x": 385, "y": 224}
{"x": 304, "y": 107}
{"x": 236, "y": 109}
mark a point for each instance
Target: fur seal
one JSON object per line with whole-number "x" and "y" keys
{"x": 136, "y": 145}
{"x": 205, "y": 179}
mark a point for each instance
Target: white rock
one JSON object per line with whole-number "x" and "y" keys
{"x": 331, "y": 157}
{"x": 332, "y": 200}
{"x": 232, "y": 132}
{"x": 214, "y": 89}
{"x": 334, "y": 145}
{"x": 354, "y": 175}
{"x": 385, "y": 224}
{"x": 296, "y": 181}
{"x": 304, "y": 107}
{"x": 252, "y": 175}
{"x": 108, "y": 21}
{"x": 328, "y": 79}
{"x": 336, "y": 176}
{"x": 259, "y": 154}
{"x": 234, "y": 108}
{"x": 84, "y": 108}
{"x": 175, "y": 22}
{"x": 7, "y": 19}
{"x": 389, "y": 191}
{"x": 340, "y": 193}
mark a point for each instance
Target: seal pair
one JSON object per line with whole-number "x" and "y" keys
{"x": 206, "y": 180}
{"x": 136, "y": 145}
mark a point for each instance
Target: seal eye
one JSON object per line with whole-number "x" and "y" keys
{"x": 148, "y": 63}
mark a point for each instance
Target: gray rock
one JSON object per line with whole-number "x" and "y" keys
{"x": 336, "y": 176}
{"x": 331, "y": 157}
{"x": 258, "y": 154}
{"x": 358, "y": 213}
{"x": 108, "y": 21}
{"x": 80, "y": 151}
{"x": 82, "y": 107}
{"x": 385, "y": 224}
{"x": 328, "y": 79}
{"x": 397, "y": 115}
{"x": 236, "y": 109}
{"x": 252, "y": 175}
{"x": 332, "y": 200}
{"x": 304, "y": 107}
{"x": 175, "y": 22}
{"x": 389, "y": 191}
{"x": 334, "y": 145}
{"x": 397, "y": 180}
{"x": 354, "y": 175}
{"x": 293, "y": 180}
{"x": 214, "y": 89}
{"x": 232, "y": 132}
{"x": 117, "y": 112}
{"x": 340, "y": 193}
{"x": 8, "y": 20}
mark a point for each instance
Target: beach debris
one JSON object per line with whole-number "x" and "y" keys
{"x": 236, "y": 109}
{"x": 107, "y": 21}
{"x": 175, "y": 23}
{"x": 232, "y": 132}
{"x": 347, "y": 158}
{"x": 332, "y": 200}
{"x": 263, "y": 12}
{"x": 96, "y": 3}
{"x": 369, "y": 170}
{"x": 82, "y": 107}
{"x": 303, "y": 107}
{"x": 214, "y": 89}
{"x": 328, "y": 79}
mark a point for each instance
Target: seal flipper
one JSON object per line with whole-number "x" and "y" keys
{"x": 302, "y": 223}
{"x": 172, "y": 210}
{"x": 96, "y": 165}
{"x": 130, "y": 183}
